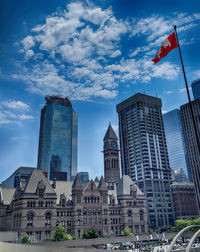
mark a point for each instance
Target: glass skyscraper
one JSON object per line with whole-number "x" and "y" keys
{"x": 57, "y": 152}
{"x": 196, "y": 89}
{"x": 144, "y": 155}
{"x": 176, "y": 143}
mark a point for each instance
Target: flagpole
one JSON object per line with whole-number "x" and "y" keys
{"x": 188, "y": 93}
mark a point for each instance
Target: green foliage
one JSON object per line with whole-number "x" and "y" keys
{"x": 25, "y": 239}
{"x": 180, "y": 224}
{"x": 75, "y": 237}
{"x": 59, "y": 234}
{"x": 67, "y": 237}
{"x": 105, "y": 236}
{"x": 90, "y": 234}
{"x": 126, "y": 232}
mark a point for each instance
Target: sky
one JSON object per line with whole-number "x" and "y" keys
{"x": 97, "y": 53}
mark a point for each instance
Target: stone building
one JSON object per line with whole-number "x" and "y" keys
{"x": 184, "y": 199}
{"x": 37, "y": 206}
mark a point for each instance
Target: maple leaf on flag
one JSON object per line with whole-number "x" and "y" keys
{"x": 167, "y": 45}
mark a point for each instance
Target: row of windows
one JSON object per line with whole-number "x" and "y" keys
{"x": 40, "y": 204}
{"x": 92, "y": 199}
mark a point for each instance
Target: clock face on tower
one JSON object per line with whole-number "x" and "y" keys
{"x": 113, "y": 145}
{"x": 106, "y": 145}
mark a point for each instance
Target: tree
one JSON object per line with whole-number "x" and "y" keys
{"x": 126, "y": 232}
{"x": 25, "y": 239}
{"x": 90, "y": 234}
{"x": 180, "y": 224}
{"x": 59, "y": 234}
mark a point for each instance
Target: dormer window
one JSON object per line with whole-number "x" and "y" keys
{"x": 63, "y": 203}
{"x": 41, "y": 193}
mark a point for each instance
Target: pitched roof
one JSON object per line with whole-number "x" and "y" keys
{"x": 110, "y": 134}
{"x": 124, "y": 186}
{"x": 36, "y": 177}
{"x": 77, "y": 182}
{"x": 102, "y": 183}
{"x": 6, "y": 195}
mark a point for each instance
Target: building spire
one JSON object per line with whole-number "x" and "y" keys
{"x": 110, "y": 134}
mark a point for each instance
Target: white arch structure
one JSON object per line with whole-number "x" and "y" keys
{"x": 180, "y": 233}
{"x": 191, "y": 241}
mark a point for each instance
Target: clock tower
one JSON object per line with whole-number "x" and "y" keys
{"x": 111, "y": 157}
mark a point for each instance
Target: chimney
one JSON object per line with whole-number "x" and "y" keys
{"x": 54, "y": 183}
{"x": 45, "y": 173}
{"x": 22, "y": 183}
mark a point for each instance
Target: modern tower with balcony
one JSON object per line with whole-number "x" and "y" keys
{"x": 57, "y": 152}
{"x": 144, "y": 155}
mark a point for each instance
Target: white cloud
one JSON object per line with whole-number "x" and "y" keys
{"x": 25, "y": 117}
{"x": 168, "y": 92}
{"x": 182, "y": 90}
{"x": 18, "y": 105}
{"x": 77, "y": 52}
{"x": 13, "y": 112}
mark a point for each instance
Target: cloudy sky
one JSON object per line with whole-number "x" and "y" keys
{"x": 97, "y": 53}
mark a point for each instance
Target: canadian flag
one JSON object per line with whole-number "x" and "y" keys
{"x": 167, "y": 45}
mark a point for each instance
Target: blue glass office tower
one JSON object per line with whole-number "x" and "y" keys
{"x": 144, "y": 155}
{"x": 57, "y": 152}
{"x": 176, "y": 143}
{"x": 196, "y": 89}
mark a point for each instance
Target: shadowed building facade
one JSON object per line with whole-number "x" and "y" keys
{"x": 144, "y": 155}
{"x": 191, "y": 144}
{"x": 57, "y": 152}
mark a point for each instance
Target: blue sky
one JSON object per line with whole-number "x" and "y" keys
{"x": 97, "y": 53}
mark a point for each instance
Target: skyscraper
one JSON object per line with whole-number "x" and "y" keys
{"x": 196, "y": 89}
{"x": 111, "y": 157}
{"x": 190, "y": 140}
{"x": 144, "y": 155}
{"x": 57, "y": 152}
{"x": 176, "y": 142}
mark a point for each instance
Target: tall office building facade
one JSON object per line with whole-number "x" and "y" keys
{"x": 176, "y": 144}
{"x": 196, "y": 89}
{"x": 191, "y": 144}
{"x": 57, "y": 152}
{"x": 144, "y": 155}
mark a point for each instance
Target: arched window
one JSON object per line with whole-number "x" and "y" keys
{"x": 141, "y": 215}
{"x": 30, "y": 219}
{"x": 129, "y": 215}
{"x": 48, "y": 218}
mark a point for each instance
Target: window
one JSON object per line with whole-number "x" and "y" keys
{"x": 47, "y": 234}
{"x": 136, "y": 229}
{"x": 48, "y": 219}
{"x": 40, "y": 204}
{"x": 79, "y": 212}
{"x": 78, "y": 199}
{"x": 105, "y": 221}
{"x": 142, "y": 229}
{"x": 105, "y": 211}
{"x": 30, "y": 219}
{"x": 104, "y": 199}
{"x": 63, "y": 203}
{"x": 129, "y": 215}
{"x": 41, "y": 193}
{"x": 141, "y": 215}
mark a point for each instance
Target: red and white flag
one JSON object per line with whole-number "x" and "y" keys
{"x": 167, "y": 45}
